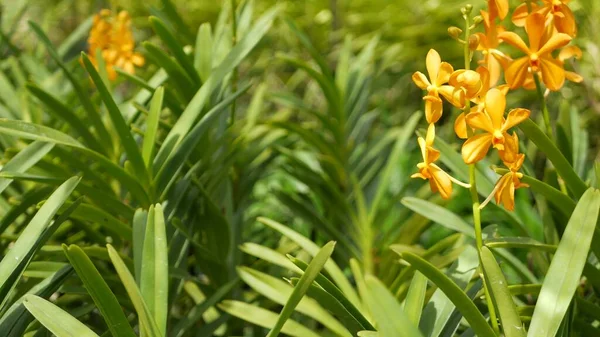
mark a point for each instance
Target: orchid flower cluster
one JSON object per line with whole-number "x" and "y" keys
{"x": 550, "y": 27}
{"x": 112, "y": 36}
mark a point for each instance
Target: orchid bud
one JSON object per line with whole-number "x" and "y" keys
{"x": 454, "y": 32}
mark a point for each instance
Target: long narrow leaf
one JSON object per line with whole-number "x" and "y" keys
{"x": 55, "y": 319}
{"x": 566, "y": 267}
{"x": 314, "y": 268}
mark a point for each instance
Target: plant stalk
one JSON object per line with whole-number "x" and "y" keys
{"x": 473, "y": 188}
{"x": 545, "y": 113}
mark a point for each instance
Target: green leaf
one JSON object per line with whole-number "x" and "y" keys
{"x": 58, "y": 321}
{"x": 562, "y": 165}
{"x": 392, "y": 163}
{"x": 16, "y": 319}
{"x": 390, "y": 319}
{"x": 413, "y": 304}
{"x": 36, "y": 132}
{"x": 197, "y": 312}
{"x": 314, "y": 268}
{"x": 100, "y": 292}
{"x": 171, "y": 42}
{"x": 336, "y": 273}
{"x": 171, "y": 167}
{"x": 509, "y": 317}
{"x": 562, "y": 278}
{"x": 83, "y": 95}
{"x": 265, "y": 318}
{"x": 439, "y": 215}
{"x": 32, "y": 237}
{"x": 64, "y": 113}
{"x": 518, "y": 242}
{"x": 138, "y": 234}
{"x": 279, "y": 291}
{"x": 46, "y": 134}
{"x": 462, "y": 302}
{"x": 203, "y": 51}
{"x": 147, "y": 323}
{"x": 184, "y": 86}
{"x": 331, "y": 304}
{"x": 152, "y": 127}
{"x": 337, "y": 294}
{"x": 154, "y": 282}
{"x": 131, "y": 147}
{"x": 24, "y": 160}
{"x": 196, "y": 105}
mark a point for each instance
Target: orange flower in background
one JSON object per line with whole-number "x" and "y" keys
{"x": 439, "y": 181}
{"x": 498, "y": 8}
{"x": 493, "y": 59}
{"x": 439, "y": 73}
{"x": 113, "y": 37}
{"x": 101, "y": 32}
{"x": 504, "y": 190}
{"x": 557, "y": 12}
{"x": 539, "y": 54}
{"x": 494, "y": 125}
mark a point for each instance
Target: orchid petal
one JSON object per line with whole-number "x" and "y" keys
{"x": 480, "y": 121}
{"x": 514, "y": 40}
{"x": 476, "y": 147}
{"x": 517, "y": 72}
{"x": 420, "y": 80}
{"x": 515, "y": 117}
{"x": 553, "y": 73}
{"x": 495, "y": 105}
{"x": 455, "y": 96}
{"x": 433, "y": 62}
{"x": 556, "y": 41}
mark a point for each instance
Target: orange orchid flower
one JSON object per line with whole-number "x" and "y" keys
{"x": 498, "y": 8}
{"x": 493, "y": 59}
{"x": 439, "y": 73}
{"x": 539, "y": 54}
{"x": 557, "y": 12}
{"x": 504, "y": 190}
{"x": 460, "y": 126}
{"x": 494, "y": 124}
{"x": 565, "y": 54}
{"x": 467, "y": 80}
{"x": 112, "y": 36}
{"x": 439, "y": 180}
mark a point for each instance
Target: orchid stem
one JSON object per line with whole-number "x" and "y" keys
{"x": 473, "y": 188}
{"x": 545, "y": 113}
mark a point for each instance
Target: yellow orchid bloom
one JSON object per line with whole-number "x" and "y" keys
{"x": 557, "y": 12}
{"x": 439, "y": 180}
{"x": 439, "y": 73}
{"x": 539, "y": 54}
{"x": 467, "y": 80}
{"x": 494, "y": 124}
{"x": 493, "y": 59}
{"x": 460, "y": 126}
{"x": 504, "y": 190}
{"x": 113, "y": 37}
{"x": 498, "y": 8}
